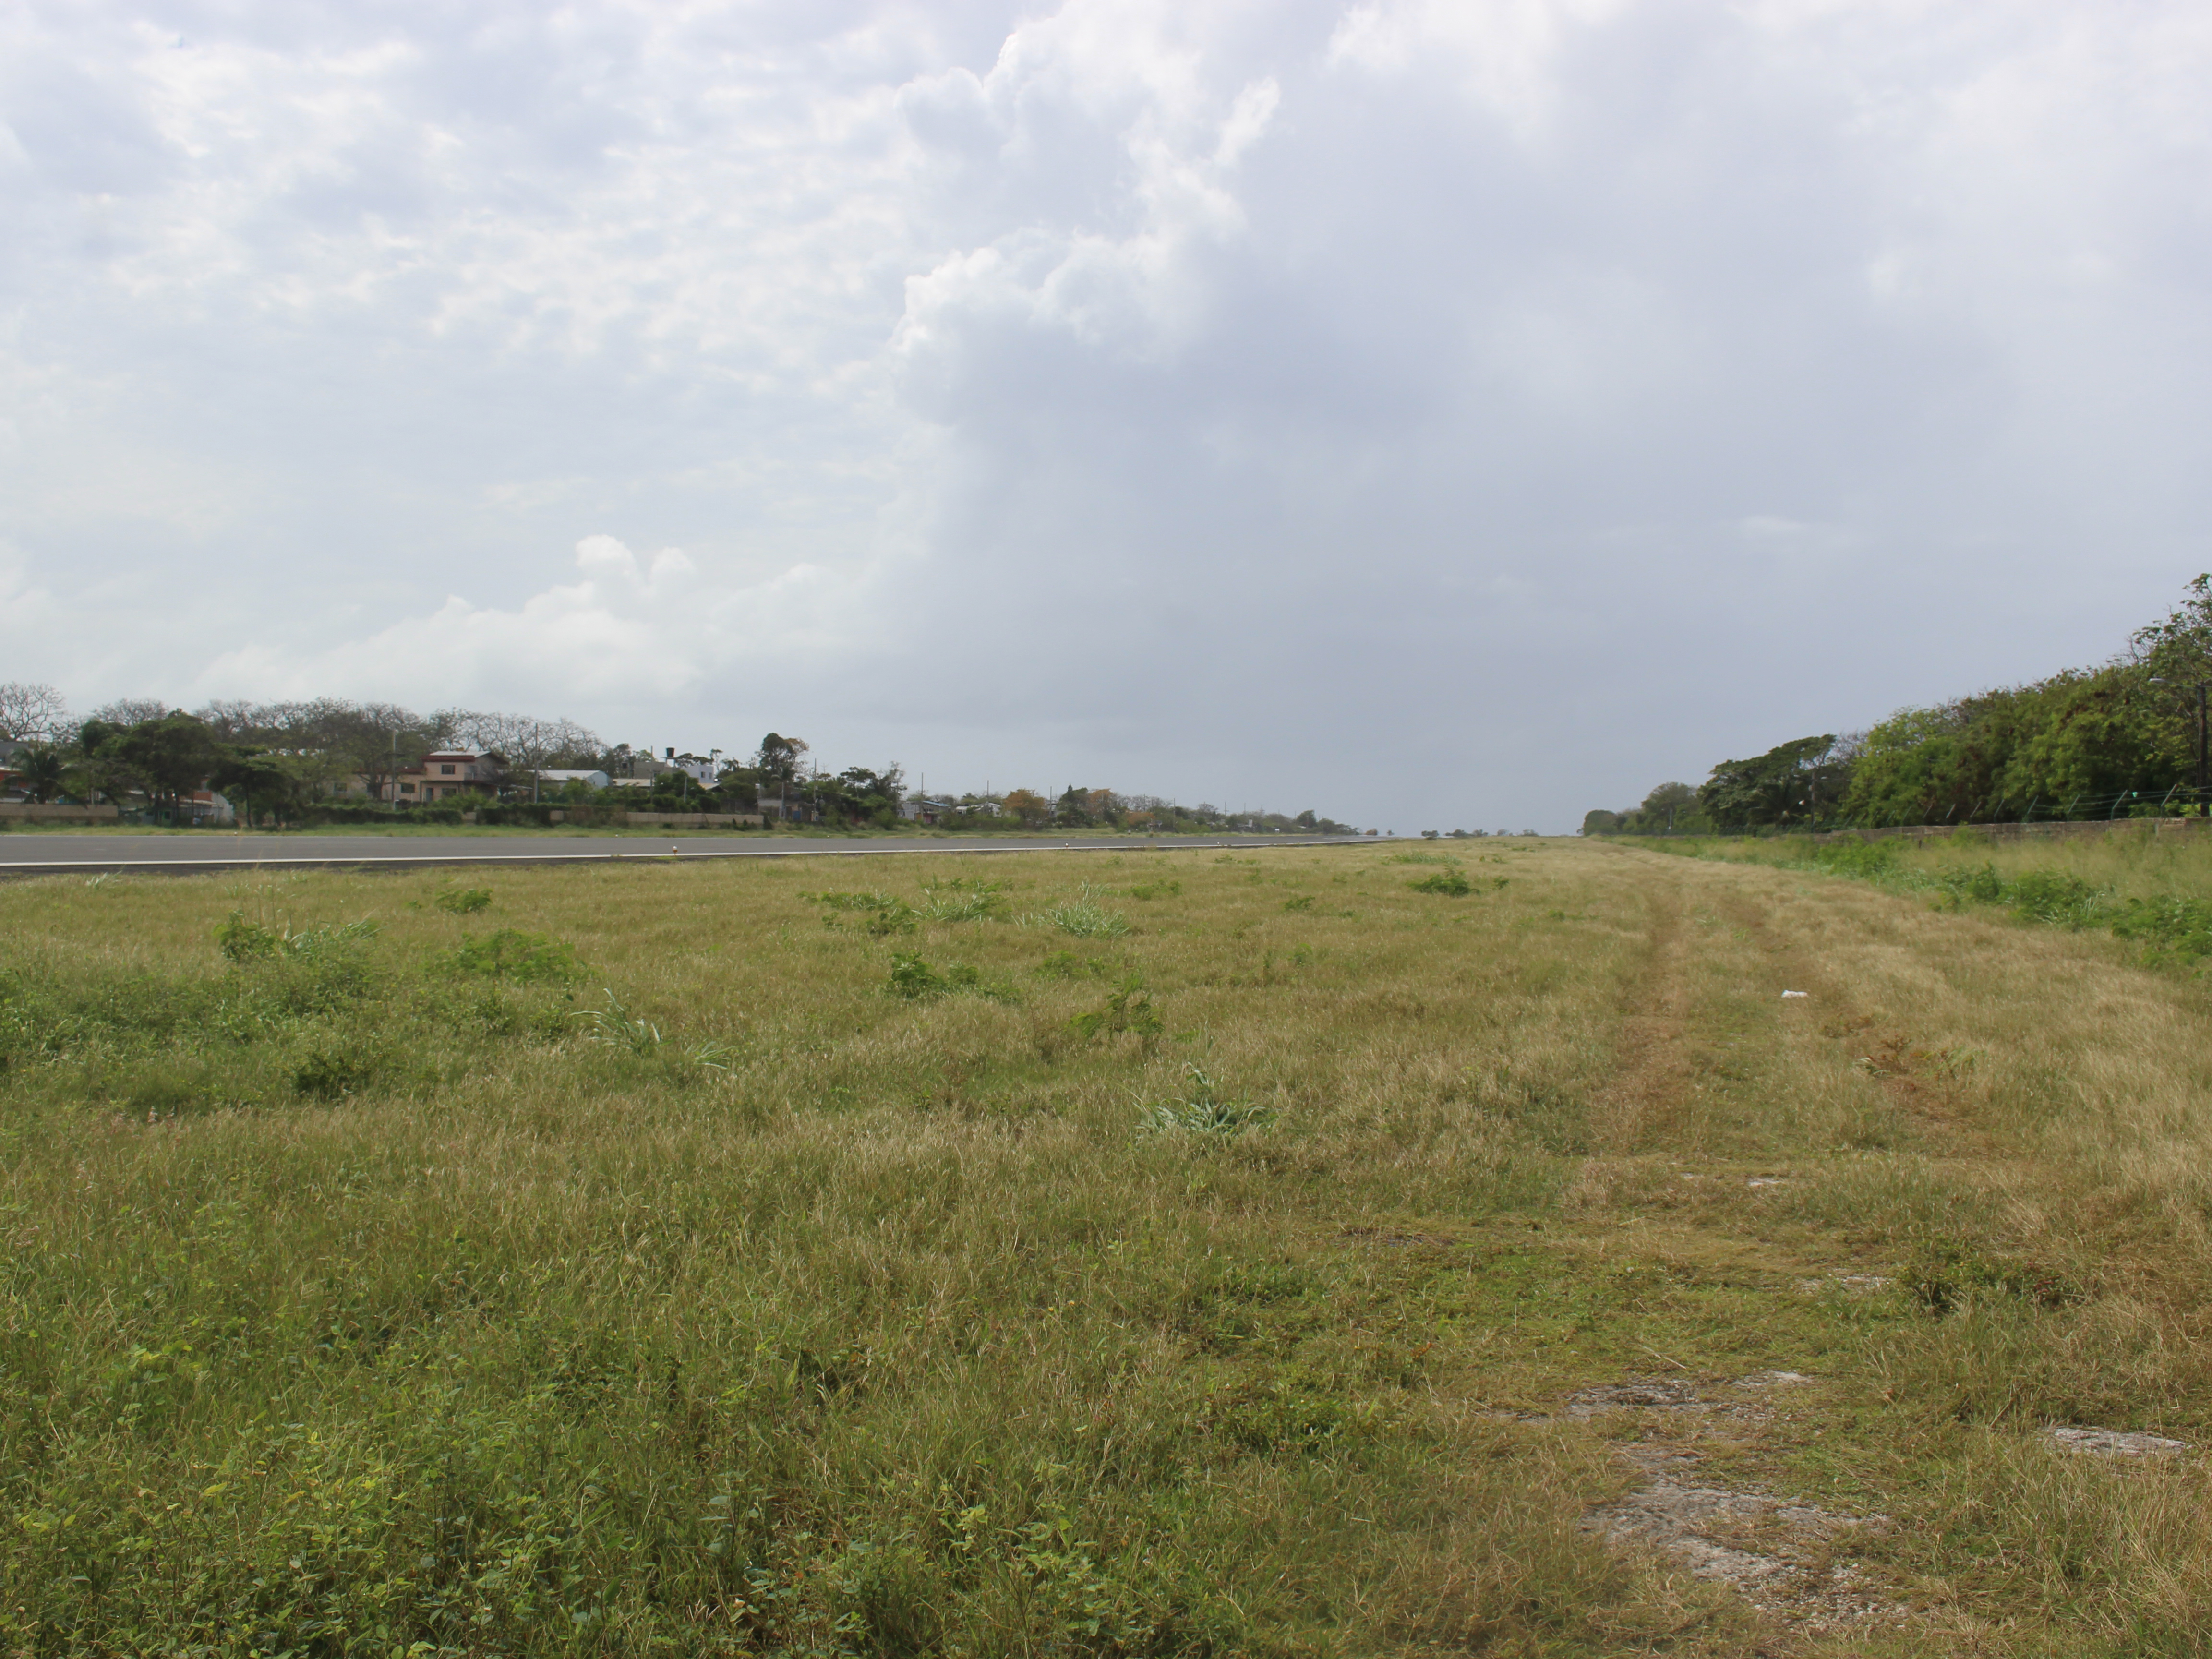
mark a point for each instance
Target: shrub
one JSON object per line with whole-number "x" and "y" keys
{"x": 2174, "y": 927}
{"x": 510, "y": 954}
{"x": 241, "y": 940}
{"x": 1864, "y": 858}
{"x": 916, "y": 980}
{"x": 1450, "y": 883}
{"x": 463, "y": 901}
{"x": 329, "y": 1075}
{"x": 249, "y": 941}
{"x": 2048, "y": 897}
{"x": 1066, "y": 965}
{"x": 885, "y": 915}
{"x": 1128, "y": 1009}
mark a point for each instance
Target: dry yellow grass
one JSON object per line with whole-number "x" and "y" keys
{"x": 356, "y": 1300}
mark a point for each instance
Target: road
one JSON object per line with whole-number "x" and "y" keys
{"x": 27, "y": 853}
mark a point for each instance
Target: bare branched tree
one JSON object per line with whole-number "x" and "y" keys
{"x": 130, "y": 711}
{"x": 526, "y": 743}
{"x": 32, "y": 712}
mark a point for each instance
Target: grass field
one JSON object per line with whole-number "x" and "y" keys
{"x": 1308, "y": 1251}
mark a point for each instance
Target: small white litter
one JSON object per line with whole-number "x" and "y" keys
{"x": 1796, "y": 994}
{"x": 2117, "y": 1442}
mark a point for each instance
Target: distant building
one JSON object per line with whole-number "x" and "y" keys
{"x": 202, "y": 806}
{"x": 558, "y": 778}
{"x": 448, "y": 772}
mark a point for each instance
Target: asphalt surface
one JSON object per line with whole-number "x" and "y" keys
{"x": 29, "y": 853}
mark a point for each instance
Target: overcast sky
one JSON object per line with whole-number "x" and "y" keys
{"x": 1439, "y": 415}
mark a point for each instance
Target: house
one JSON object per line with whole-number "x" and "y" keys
{"x": 591, "y": 779}
{"x": 204, "y": 806}
{"x": 920, "y": 808}
{"x": 448, "y": 772}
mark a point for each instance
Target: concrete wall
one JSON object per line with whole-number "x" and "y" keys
{"x": 697, "y": 820}
{"x": 14, "y": 811}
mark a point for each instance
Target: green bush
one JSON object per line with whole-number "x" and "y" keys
{"x": 1450, "y": 883}
{"x": 511, "y": 954}
{"x": 1128, "y": 1009}
{"x": 916, "y": 980}
{"x": 2046, "y": 895}
{"x": 1866, "y": 859}
{"x": 463, "y": 901}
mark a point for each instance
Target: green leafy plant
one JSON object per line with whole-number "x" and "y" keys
{"x": 916, "y": 980}
{"x": 959, "y": 901}
{"x": 853, "y": 900}
{"x": 241, "y": 940}
{"x": 1127, "y": 1009}
{"x": 463, "y": 901}
{"x": 1450, "y": 883}
{"x": 1085, "y": 918}
{"x": 1205, "y": 1110}
{"x": 331, "y": 1074}
{"x": 511, "y": 954}
{"x": 885, "y": 915}
{"x": 1066, "y": 965}
{"x": 614, "y": 1027}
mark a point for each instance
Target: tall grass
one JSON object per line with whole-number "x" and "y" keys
{"x": 678, "y": 1277}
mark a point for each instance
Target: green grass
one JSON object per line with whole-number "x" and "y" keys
{"x": 2151, "y": 890}
{"x": 666, "y": 1258}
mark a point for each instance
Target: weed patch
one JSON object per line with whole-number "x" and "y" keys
{"x": 511, "y": 954}
{"x": 1127, "y": 1010}
{"x": 916, "y": 981}
{"x": 1087, "y": 918}
{"x": 1205, "y": 1111}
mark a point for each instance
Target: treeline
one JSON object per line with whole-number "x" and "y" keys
{"x": 331, "y": 758}
{"x": 2123, "y": 740}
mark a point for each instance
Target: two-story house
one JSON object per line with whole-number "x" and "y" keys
{"x": 448, "y": 772}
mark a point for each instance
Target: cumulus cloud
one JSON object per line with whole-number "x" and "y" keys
{"x": 1473, "y": 410}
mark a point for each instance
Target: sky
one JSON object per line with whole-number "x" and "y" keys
{"x": 1437, "y": 414}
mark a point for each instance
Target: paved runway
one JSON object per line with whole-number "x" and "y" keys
{"x": 25, "y": 853}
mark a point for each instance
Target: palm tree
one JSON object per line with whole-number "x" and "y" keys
{"x": 39, "y": 767}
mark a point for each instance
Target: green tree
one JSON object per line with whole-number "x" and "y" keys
{"x": 778, "y": 757}
{"x": 41, "y": 768}
{"x": 258, "y": 782}
{"x": 170, "y": 754}
{"x": 1794, "y": 783}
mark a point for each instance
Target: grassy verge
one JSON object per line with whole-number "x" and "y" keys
{"x": 1191, "y": 1254}
{"x": 2155, "y": 892}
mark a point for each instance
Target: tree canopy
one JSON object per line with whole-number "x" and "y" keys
{"x": 2118, "y": 738}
